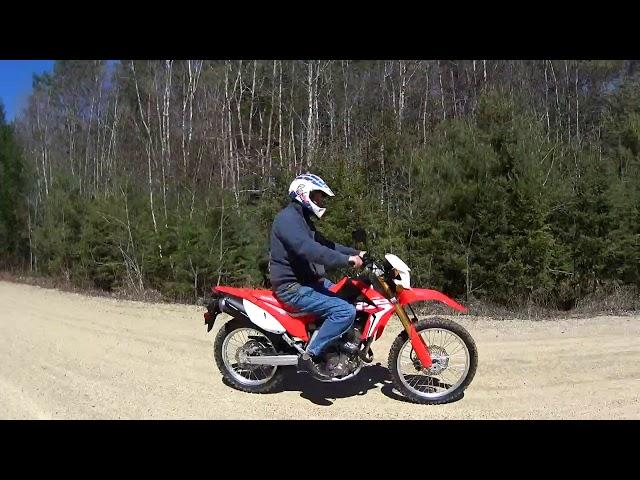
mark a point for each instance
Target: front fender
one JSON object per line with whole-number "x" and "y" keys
{"x": 422, "y": 294}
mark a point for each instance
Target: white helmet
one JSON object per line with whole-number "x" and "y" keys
{"x": 301, "y": 188}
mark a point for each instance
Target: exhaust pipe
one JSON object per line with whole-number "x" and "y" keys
{"x": 234, "y": 307}
{"x": 227, "y": 304}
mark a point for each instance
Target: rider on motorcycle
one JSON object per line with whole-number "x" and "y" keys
{"x": 298, "y": 256}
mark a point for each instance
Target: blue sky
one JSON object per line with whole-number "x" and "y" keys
{"x": 15, "y": 82}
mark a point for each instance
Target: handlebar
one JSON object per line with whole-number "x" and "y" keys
{"x": 366, "y": 260}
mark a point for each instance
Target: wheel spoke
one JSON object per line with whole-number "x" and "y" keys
{"x": 459, "y": 349}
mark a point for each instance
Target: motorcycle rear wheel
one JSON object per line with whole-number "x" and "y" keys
{"x": 237, "y": 338}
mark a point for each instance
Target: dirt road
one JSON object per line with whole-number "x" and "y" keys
{"x": 69, "y": 356}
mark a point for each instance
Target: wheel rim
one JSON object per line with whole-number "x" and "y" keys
{"x": 241, "y": 343}
{"x": 451, "y": 362}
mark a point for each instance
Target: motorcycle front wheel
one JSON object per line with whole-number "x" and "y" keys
{"x": 454, "y": 356}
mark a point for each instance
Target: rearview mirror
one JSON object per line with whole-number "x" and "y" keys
{"x": 359, "y": 236}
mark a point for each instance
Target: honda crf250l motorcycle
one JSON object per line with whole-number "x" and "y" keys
{"x": 431, "y": 361}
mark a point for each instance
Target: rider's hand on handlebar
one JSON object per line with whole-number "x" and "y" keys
{"x": 355, "y": 261}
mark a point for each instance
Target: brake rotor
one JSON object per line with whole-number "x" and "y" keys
{"x": 439, "y": 359}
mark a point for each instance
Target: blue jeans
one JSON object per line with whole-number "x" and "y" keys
{"x": 337, "y": 314}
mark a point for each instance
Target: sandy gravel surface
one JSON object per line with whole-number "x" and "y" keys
{"x": 69, "y": 356}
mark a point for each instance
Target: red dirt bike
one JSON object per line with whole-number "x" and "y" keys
{"x": 431, "y": 362}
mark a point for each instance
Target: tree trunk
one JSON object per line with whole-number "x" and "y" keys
{"x": 309, "y": 112}
{"x": 148, "y": 149}
{"x": 444, "y": 110}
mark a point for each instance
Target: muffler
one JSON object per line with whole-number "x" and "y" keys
{"x": 224, "y": 304}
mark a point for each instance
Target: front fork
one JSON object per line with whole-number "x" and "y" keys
{"x": 417, "y": 342}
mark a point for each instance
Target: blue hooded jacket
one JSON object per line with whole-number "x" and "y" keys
{"x": 299, "y": 253}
